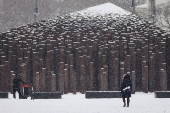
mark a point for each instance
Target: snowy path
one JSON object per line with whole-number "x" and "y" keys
{"x": 140, "y": 103}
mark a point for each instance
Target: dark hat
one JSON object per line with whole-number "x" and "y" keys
{"x": 127, "y": 76}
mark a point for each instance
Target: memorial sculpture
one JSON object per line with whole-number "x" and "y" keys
{"x": 83, "y": 51}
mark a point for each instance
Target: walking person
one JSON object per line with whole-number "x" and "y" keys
{"x": 126, "y": 89}
{"x": 16, "y": 85}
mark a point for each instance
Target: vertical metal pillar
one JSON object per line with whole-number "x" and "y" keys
{"x": 133, "y": 6}
{"x": 36, "y": 11}
{"x": 153, "y": 9}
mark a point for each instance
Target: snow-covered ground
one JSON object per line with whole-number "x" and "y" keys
{"x": 69, "y": 103}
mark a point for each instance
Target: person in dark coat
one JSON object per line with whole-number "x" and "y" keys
{"x": 126, "y": 89}
{"x": 16, "y": 85}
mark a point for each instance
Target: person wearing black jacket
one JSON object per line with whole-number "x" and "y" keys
{"x": 126, "y": 89}
{"x": 16, "y": 85}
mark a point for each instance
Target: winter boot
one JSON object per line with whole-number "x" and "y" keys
{"x": 124, "y": 105}
{"x": 124, "y": 102}
{"x": 128, "y": 101}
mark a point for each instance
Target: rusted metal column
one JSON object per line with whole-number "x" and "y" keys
{"x": 103, "y": 63}
{"x": 127, "y": 63}
{"x": 43, "y": 80}
{"x": 160, "y": 66}
{"x": 163, "y": 80}
{"x": 144, "y": 77}
{"x": 23, "y": 71}
{"x": 25, "y": 55}
{"x": 82, "y": 78}
{"x": 111, "y": 75}
{"x": 2, "y": 79}
{"x": 72, "y": 80}
{"x": 168, "y": 60}
{"x": 133, "y": 82}
{"x": 66, "y": 81}
{"x": 132, "y": 59}
{"x": 91, "y": 52}
{"x": 52, "y": 67}
{"x": 152, "y": 75}
{"x": 163, "y": 50}
{"x": 105, "y": 74}
{"x": 28, "y": 67}
{"x": 87, "y": 66}
{"x": 48, "y": 61}
{"x": 2, "y": 59}
{"x": 37, "y": 82}
{"x": 122, "y": 71}
{"x": 6, "y": 75}
{"x": 61, "y": 54}
{"x": 91, "y": 79}
{"x": 48, "y": 81}
{"x": 104, "y": 82}
{"x": 10, "y": 54}
{"x": 56, "y": 62}
{"x": 99, "y": 60}
{"x": 157, "y": 68}
{"x": 138, "y": 70}
{"x": 5, "y": 49}
{"x": 71, "y": 59}
{"x": 146, "y": 54}
{"x": 117, "y": 78}
{"x": 41, "y": 53}
{"x": 53, "y": 82}
{"x": 35, "y": 67}
{"x": 101, "y": 80}
{"x": 12, "y": 76}
{"x": 61, "y": 77}
{"x": 77, "y": 68}
{"x": 121, "y": 52}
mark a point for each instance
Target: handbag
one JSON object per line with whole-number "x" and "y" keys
{"x": 127, "y": 89}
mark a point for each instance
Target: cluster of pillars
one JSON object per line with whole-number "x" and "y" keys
{"x": 86, "y": 51}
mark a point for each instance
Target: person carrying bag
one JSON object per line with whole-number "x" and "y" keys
{"x": 126, "y": 89}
